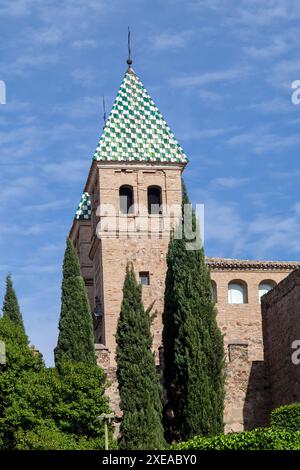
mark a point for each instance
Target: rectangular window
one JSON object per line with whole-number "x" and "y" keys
{"x": 144, "y": 278}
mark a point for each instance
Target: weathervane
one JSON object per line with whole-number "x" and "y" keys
{"x": 129, "y": 60}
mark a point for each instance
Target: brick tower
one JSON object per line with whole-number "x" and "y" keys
{"x": 128, "y": 208}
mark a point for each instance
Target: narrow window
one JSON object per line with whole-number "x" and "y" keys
{"x": 154, "y": 200}
{"x": 126, "y": 199}
{"x": 144, "y": 278}
{"x": 214, "y": 296}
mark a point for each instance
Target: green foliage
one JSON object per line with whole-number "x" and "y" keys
{"x": 45, "y": 409}
{"x": 20, "y": 360}
{"x": 45, "y": 436}
{"x": 139, "y": 385}
{"x": 193, "y": 344}
{"x": 19, "y": 356}
{"x": 286, "y": 418}
{"x": 259, "y": 439}
{"x": 60, "y": 407}
{"x": 11, "y": 307}
{"x": 48, "y": 437}
{"x": 76, "y": 337}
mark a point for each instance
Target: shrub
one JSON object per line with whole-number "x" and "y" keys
{"x": 259, "y": 439}
{"x": 51, "y": 410}
{"x": 47, "y": 436}
{"x": 286, "y": 418}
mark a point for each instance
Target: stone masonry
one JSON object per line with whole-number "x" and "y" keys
{"x": 247, "y": 400}
{"x": 109, "y": 253}
{"x": 281, "y": 327}
{"x": 247, "y": 397}
{"x": 247, "y": 403}
{"x": 138, "y": 151}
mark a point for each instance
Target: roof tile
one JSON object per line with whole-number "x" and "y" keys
{"x": 136, "y": 130}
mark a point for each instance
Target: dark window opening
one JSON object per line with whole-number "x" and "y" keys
{"x": 126, "y": 199}
{"x": 214, "y": 292}
{"x": 154, "y": 200}
{"x": 144, "y": 278}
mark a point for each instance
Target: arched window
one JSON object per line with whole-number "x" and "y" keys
{"x": 126, "y": 199}
{"x": 154, "y": 200}
{"x": 237, "y": 292}
{"x": 214, "y": 296}
{"x": 264, "y": 287}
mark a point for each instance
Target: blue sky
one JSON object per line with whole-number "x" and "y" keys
{"x": 220, "y": 72}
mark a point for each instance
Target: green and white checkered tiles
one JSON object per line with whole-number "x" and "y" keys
{"x": 135, "y": 129}
{"x": 84, "y": 210}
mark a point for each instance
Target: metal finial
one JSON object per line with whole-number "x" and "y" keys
{"x": 104, "y": 109}
{"x": 129, "y": 60}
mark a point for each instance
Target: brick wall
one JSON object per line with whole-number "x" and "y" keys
{"x": 103, "y": 262}
{"x": 281, "y": 326}
{"x": 243, "y": 321}
{"x": 247, "y": 403}
{"x": 112, "y": 251}
{"x": 247, "y": 399}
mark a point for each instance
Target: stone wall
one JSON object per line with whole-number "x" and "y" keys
{"x": 281, "y": 327}
{"x": 116, "y": 245}
{"x": 247, "y": 403}
{"x": 243, "y": 321}
{"x": 103, "y": 261}
{"x": 246, "y": 399}
{"x": 103, "y": 360}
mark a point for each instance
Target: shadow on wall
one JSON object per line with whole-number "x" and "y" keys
{"x": 247, "y": 403}
{"x": 257, "y": 406}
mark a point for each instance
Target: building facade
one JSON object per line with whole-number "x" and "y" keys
{"x": 281, "y": 335}
{"x": 238, "y": 287}
{"x": 130, "y": 205}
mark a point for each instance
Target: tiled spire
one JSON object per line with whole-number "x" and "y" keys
{"x": 136, "y": 130}
{"x": 84, "y": 208}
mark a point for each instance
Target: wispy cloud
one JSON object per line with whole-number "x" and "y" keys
{"x": 68, "y": 171}
{"x": 210, "y": 97}
{"x": 228, "y": 182}
{"x": 84, "y": 76}
{"x": 23, "y": 65}
{"x": 263, "y": 141}
{"x": 172, "y": 40}
{"x": 208, "y": 78}
{"x": 251, "y": 13}
{"x": 223, "y": 225}
{"x": 276, "y": 105}
{"x": 274, "y": 231}
{"x": 201, "y": 134}
{"x": 84, "y": 107}
{"x": 18, "y": 187}
{"x": 84, "y": 43}
{"x": 276, "y": 48}
{"x": 256, "y": 237}
{"x": 49, "y": 35}
{"x": 46, "y": 206}
{"x": 16, "y": 8}
{"x": 283, "y": 73}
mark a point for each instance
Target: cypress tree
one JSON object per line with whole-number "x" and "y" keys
{"x": 193, "y": 344}
{"x": 139, "y": 385}
{"x": 76, "y": 338}
{"x": 11, "y": 307}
